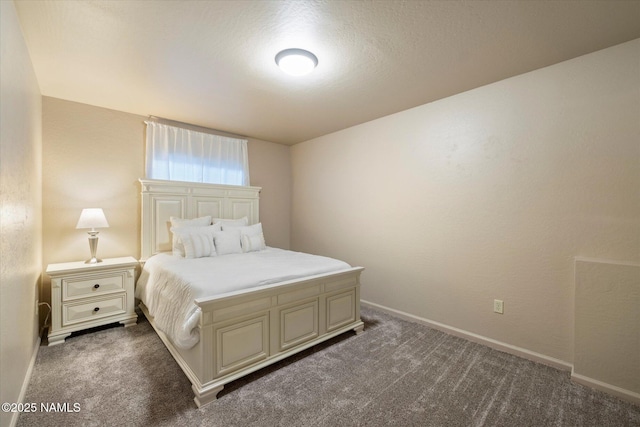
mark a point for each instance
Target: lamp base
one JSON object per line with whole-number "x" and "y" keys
{"x": 93, "y": 246}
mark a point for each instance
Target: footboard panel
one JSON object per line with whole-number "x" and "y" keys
{"x": 341, "y": 309}
{"x": 240, "y": 344}
{"x": 298, "y": 323}
{"x": 245, "y": 331}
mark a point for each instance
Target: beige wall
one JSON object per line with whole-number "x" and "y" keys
{"x": 607, "y": 325}
{"x": 94, "y": 158}
{"x": 21, "y": 209}
{"x": 270, "y": 168}
{"x": 486, "y": 195}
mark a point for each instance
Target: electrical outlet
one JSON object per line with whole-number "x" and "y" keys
{"x": 498, "y": 306}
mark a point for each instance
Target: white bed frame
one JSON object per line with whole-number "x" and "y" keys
{"x": 244, "y": 331}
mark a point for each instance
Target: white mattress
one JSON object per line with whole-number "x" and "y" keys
{"x": 168, "y": 285}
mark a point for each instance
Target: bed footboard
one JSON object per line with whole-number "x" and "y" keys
{"x": 242, "y": 332}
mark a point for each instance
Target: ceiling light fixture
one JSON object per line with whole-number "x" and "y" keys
{"x": 296, "y": 62}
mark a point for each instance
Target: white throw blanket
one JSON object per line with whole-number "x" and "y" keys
{"x": 169, "y": 285}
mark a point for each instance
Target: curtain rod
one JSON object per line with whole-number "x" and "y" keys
{"x": 195, "y": 127}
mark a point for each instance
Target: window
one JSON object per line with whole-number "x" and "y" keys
{"x": 177, "y": 154}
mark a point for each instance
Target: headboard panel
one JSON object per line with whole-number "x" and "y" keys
{"x": 164, "y": 199}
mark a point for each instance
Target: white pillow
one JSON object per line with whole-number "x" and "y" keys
{"x": 197, "y": 241}
{"x": 253, "y": 243}
{"x": 176, "y": 245}
{"x": 251, "y": 237}
{"x": 240, "y": 222}
{"x": 227, "y": 242}
{"x": 195, "y": 222}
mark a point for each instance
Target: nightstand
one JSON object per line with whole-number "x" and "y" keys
{"x": 89, "y": 295}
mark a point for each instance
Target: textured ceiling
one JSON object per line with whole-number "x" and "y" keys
{"x": 211, "y": 63}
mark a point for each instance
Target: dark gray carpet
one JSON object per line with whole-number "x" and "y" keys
{"x": 395, "y": 373}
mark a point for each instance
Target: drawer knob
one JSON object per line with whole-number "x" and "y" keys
{"x": 96, "y": 309}
{"x": 96, "y": 286}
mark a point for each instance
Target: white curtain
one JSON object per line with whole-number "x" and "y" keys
{"x": 177, "y": 154}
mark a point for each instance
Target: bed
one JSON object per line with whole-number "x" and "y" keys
{"x": 242, "y": 330}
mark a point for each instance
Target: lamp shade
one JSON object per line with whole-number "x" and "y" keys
{"x": 92, "y": 218}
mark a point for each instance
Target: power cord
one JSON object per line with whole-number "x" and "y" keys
{"x": 46, "y": 319}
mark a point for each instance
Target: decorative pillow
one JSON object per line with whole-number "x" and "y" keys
{"x": 251, "y": 237}
{"x": 240, "y": 222}
{"x": 177, "y": 246}
{"x": 253, "y": 243}
{"x": 196, "y": 241}
{"x": 227, "y": 242}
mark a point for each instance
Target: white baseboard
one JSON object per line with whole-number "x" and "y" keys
{"x": 621, "y": 393}
{"x": 489, "y": 342}
{"x": 27, "y": 379}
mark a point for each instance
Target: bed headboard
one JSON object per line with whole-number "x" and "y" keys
{"x": 164, "y": 199}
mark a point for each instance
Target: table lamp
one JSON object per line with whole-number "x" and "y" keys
{"x": 92, "y": 218}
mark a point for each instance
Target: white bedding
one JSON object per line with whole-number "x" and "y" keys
{"x": 168, "y": 285}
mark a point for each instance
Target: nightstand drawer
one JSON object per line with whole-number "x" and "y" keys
{"x": 74, "y": 288}
{"x": 94, "y": 309}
